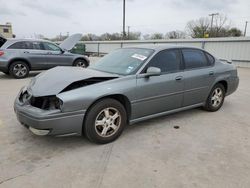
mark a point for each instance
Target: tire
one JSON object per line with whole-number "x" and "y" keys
{"x": 105, "y": 121}
{"x": 19, "y": 69}
{"x": 80, "y": 63}
{"x": 216, "y": 98}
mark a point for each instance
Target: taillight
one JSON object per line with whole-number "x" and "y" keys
{"x": 1, "y": 53}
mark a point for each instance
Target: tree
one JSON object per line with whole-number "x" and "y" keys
{"x": 220, "y": 28}
{"x": 90, "y": 37}
{"x": 134, "y": 36}
{"x": 175, "y": 35}
{"x": 235, "y": 32}
{"x": 157, "y": 36}
{"x": 198, "y": 28}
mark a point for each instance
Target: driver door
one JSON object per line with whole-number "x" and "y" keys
{"x": 157, "y": 94}
{"x": 56, "y": 57}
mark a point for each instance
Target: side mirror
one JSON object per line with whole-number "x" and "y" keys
{"x": 62, "y": 51}
{"x": 153, "y": 71}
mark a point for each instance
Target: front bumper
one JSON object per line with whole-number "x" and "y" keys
{"x": 49, "y": 122}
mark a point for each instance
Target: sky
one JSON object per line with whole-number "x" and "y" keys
{"x": 52, "y": 17}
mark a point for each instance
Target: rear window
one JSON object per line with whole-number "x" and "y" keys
{"x": 2, "y": 41}
{"x": 194, "y": 58}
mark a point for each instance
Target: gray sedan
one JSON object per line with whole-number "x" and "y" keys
{"x": 126, "y": 86}
{"x": 19, "y": 56}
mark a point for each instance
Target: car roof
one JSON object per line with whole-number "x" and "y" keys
{"x": 159, "y": 47}
{"x": 27, "y": 39}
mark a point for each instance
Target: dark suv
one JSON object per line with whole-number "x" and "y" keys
{"x": 19, "y": 56}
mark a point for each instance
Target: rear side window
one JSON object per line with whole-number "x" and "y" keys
{"x": 194, "y": 58}
{"x": 37, "y": 46}
{"x": 210, "y": 59}
{"x": 167, "y": 61}
{"x": 17, "y": 45}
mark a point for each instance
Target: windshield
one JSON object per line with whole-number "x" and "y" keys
{"x": 123, "y": 61}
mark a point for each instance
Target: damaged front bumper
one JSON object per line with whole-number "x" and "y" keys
{"x": 48, "y": 122}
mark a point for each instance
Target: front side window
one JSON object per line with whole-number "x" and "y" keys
{"x": 51, "y": 47}
{"x": 167, "y": 61}
{"x": 194, "y": 58}
{"x": 123, "y": 61}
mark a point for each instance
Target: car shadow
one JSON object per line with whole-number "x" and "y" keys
{"x": 8, "y": 77}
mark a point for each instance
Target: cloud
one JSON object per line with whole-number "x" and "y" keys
{"x": 204, "y": 4}
{"x": 43, "y": 8}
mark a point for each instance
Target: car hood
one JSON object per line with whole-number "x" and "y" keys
{"x": 70, "y": 42}
{"x": 59, "y": 79}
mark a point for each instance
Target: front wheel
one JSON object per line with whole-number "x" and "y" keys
{"x": 80, "y": 63}
{"x": 216, "y": 98}
{"x": 105, "y": 121}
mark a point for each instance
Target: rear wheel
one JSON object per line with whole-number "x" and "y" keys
{"x": 216, "y": 98}
{"x": 80, "y": 63}
{"x": 105, "y": 121}
{"x": 19, "y": 69}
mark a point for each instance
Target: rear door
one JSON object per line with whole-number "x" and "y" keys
{"x": 162, "y": 93}
{"x": 198, "y": 76}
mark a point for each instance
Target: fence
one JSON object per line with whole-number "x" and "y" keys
{"x": 235, "y": 49}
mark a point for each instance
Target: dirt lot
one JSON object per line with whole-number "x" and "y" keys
{"x": 208, "y": 150}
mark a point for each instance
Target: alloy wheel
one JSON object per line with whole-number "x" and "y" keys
{"x": 107, "y": 122}
{"x": 19, "y": 70}
{"x": 217, "y": 97}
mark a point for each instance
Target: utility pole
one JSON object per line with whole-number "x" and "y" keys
{"x": 124, "y": 32}
{"x": 128, "y": 32}
{"x": 245, "y": 31}
{"x": 212, "y": 20}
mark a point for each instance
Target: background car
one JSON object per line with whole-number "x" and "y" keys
{"x": 124, "y": 87}
{"x": 19, "y": 56}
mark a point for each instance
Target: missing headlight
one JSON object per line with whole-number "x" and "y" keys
{"x": 46, "y": 103}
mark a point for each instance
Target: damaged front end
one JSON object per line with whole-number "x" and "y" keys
{"x": 44, "y": 102}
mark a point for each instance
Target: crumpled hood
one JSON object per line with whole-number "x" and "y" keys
{"x": 53, "y": 81}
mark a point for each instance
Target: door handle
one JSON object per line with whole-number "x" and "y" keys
{"x": 178, "y": 78}
{"x": 26, "y": 52}
{"x": 211, "y": 73}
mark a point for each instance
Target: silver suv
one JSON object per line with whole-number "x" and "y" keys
{"x": 19, "y": 56}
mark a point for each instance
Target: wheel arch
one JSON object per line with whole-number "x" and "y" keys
{"x": 19, "y": 59}
{"x": 224, "y": 83}
{"x": 81, "y": 58}
{"x": 119, "y": 97}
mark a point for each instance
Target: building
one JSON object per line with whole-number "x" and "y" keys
{"x": 6, "y": 30}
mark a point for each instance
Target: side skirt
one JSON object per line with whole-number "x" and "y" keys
{"x": 165, "y": 113}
